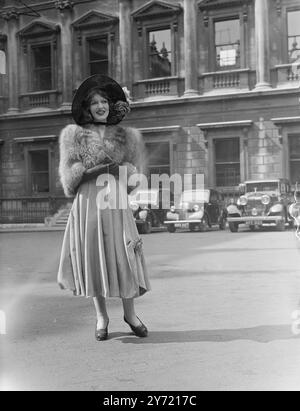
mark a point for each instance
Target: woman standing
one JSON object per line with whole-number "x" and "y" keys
{"x": 102, "y": 252}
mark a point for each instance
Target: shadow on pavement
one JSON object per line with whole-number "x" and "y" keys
{"x": 260, "y": 334}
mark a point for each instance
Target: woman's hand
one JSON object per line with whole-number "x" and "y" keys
{"x": 110, "y": 168}
{"x": 95, "y": 169}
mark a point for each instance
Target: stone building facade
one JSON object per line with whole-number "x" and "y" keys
{"x": 214, "y": 87}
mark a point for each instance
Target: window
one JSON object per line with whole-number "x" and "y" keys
{"x": 94, "y": 46}
{"x": 41, "y": 64}
{"x": 227, "y": 44}
{"x": 227, "y": 162}
{"x": 158, "y": 156}
{"x": 39, "y": 171}
{"x": 159, "y": 53}
{"x": 157, "y": 26}
{"x": 293, "y": 36}
{"x": 294, "y": 148}
{"x": 98, "y": 56}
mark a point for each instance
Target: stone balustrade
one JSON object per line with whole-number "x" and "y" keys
{"x": 231, "y": 79}
{"x": 162, "y": 87}
{"x": 287, "y": 75}
{"x": 48, "y": 99}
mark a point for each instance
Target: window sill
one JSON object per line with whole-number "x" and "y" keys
{"x": 31, "y": 93}
{"x": 238, "y": 70}
{"x": 157, "y": 79}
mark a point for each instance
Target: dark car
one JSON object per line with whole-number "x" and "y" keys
{"x": 262, "y": 203}
{"x": 149, "y": 209}
{"x": 198, "y": 210}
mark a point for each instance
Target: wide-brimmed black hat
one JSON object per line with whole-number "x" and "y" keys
{"x": 112, "y": 89}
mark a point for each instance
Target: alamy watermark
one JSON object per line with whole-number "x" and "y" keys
{"x": 112, "y": 191}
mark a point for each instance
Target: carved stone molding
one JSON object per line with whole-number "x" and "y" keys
{"x": 63, "y": 5}
{"x": 156, "y": 9}
{"x": 91, "y": 20}
{"x": 38, "y": 29}
{"x": 278, "y": 7}
{"x": 205, "y": 18}
{"x": 94, "y": 19}
{"x": 24, "y": 45}
{"x": 175, "y": 26}
{"x": 10, "y": 14}
{"x": 245, "y": 13}
{"x": 140, "y": 29}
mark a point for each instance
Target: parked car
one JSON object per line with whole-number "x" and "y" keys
{"x": 149, "y": 209}
{"x": 262, "y": 203}
{"x": 198, "y": 210}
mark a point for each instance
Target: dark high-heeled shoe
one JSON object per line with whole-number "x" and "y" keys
{"x": 140, "y": 330}
{"x": 102, "y": 333}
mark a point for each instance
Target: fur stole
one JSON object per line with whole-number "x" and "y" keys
{"x": 81, "y": 149}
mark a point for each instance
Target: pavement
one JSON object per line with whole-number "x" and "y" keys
{"x": 219, "y": 317}
{"x": 28, "y": 228}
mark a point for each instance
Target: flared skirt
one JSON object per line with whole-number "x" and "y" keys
{"x": 102, "y": 253}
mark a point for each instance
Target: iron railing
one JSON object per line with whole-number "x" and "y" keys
{"x": 28, "y": 209}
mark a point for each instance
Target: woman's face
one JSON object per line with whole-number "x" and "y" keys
{"x": 99, "y": 108}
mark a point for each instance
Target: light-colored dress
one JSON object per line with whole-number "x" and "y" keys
{"x": 102, "y": 252}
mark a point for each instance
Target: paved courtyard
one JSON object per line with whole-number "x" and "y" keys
{"x": 219, "y": 316}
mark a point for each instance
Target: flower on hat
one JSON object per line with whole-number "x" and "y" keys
{"x": 127, "y": 94}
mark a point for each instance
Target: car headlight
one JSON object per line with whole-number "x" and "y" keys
{"x": 277, "y": 208}
{"x": 265, "y": 199}
{"x": 243, "y": 201}
{"x": 134, "y": 206}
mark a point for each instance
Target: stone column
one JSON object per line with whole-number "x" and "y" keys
{"x": 12, "y": 25}
{"x": 262, "y": 44}
{"x": 65, "y": 8}
{"x": 125, "y": 8}
{"x": 190, "y": 47}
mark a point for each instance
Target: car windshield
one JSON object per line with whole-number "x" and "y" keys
{"x": 195, "y": 196}
{"x": 262, "y": 187}
{"x": 145, "y": 197}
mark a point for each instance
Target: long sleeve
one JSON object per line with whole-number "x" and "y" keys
{"x": 71, "y": 168}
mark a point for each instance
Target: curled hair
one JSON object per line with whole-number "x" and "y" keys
{"x": 117, "y": 111}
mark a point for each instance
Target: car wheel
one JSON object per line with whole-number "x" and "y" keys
{"x": 234, "y": 227}
{"x": 147, "y": 227}
{"x": 192, "y": 227}
{"x": 203, "y": 227}
{"x": 252, "y": 227}
{"x": 171, "y": 228}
